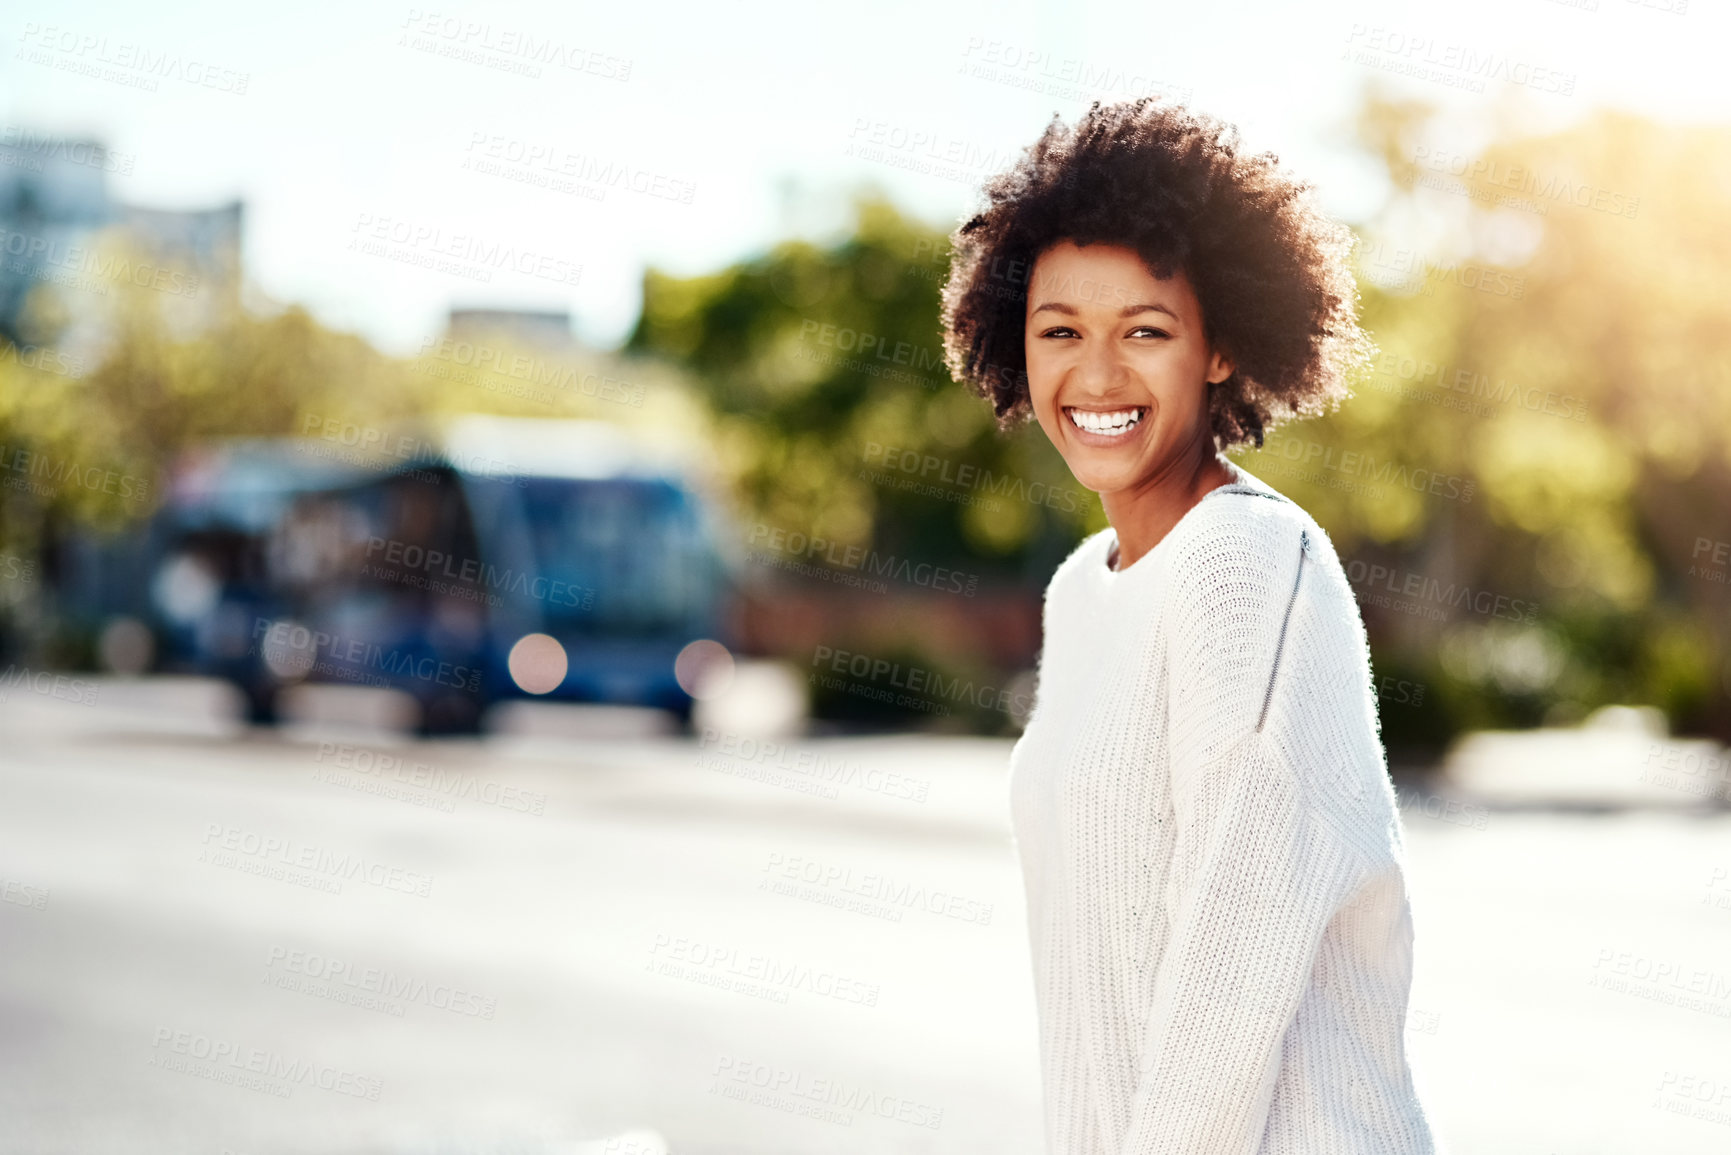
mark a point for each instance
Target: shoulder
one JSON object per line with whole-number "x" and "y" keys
{"x": 1253, "y": 561}
{"x": 1232, "y": 574}
{"x": 1232, "y": 554}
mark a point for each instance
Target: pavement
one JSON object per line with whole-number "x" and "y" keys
{"x": 563, "y": 940}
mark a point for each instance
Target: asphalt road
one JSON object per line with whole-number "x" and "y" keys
{"x": 220, "y": 940}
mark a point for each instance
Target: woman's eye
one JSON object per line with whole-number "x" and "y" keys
{"x": 1059, "y": 331}
{"x": 1149, "y": 330}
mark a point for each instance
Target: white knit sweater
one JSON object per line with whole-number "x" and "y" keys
{"x": 1222, "y": 942}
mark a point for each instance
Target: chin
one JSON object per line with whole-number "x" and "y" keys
{"x": 1104, "y": 478}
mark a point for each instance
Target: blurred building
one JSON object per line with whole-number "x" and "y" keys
{"x": 202, "y": 246}
{"x": 546, "y": 329}
{"x": 53, "y": 193}
{"x": 70, "y": 249}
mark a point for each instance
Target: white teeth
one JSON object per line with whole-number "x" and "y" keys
{"x": 1117, "y": 421}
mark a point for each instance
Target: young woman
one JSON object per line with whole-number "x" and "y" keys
{"x": 1222, "y": 941}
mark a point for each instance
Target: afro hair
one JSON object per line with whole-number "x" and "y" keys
{"x": 1272, "y": 273}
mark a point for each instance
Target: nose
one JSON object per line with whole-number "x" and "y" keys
{"x": 1098, "y": 371}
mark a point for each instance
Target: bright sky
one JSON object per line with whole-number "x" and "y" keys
{"x": 404, "y": 127}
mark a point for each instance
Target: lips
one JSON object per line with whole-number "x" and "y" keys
{"x": 1105, "y": 423}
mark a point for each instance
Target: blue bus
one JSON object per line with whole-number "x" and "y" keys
{"x": 501, "y": 559}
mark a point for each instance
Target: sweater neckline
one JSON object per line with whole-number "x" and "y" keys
{"x": 1242, "y": 482}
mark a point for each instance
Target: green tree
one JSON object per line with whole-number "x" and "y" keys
{"x": 1560, "y": 349}
{"x": 835, "y": 414}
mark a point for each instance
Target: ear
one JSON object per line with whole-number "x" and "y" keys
{"x": 1220, "y": 367}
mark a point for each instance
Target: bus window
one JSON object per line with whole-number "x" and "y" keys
{"x": 630, "y": 549}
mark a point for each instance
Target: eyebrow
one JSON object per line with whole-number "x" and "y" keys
{"x": 1126, "y": 311}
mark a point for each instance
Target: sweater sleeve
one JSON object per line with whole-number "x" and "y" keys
{"x": 1255, "y": 876}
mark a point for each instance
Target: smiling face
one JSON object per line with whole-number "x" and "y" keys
{"x": 1118, "y": 367}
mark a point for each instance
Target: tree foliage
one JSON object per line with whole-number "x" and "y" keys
{"x": 1551, "y": 311}
{"x": 824, "y": 367}
{"x": 1527, "y": 488}
{"x": 1531, "y": 488}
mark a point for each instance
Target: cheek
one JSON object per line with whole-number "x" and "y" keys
{"x": 1178, "y": 378}
{"x": 1042, "y": 373}
{"x": 1032, "y": 349}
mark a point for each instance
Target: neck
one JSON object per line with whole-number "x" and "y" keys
{"x": 1145, "y": 513}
